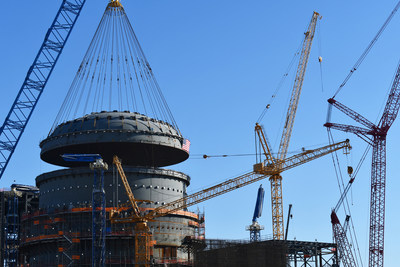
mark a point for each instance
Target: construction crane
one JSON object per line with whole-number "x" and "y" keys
{"x": 143, "y": 235}
{"x": 143, "y": 242}
{"x": 36, "y": 79}
{"x": 98, "y": 166}
{"x": 255, "y": 228}
{"x": 374, "y": 135}
{"x": 276, "y": 179}
{"x": 272, "y": 162}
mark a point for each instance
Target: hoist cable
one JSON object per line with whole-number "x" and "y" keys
{"x": 115, "y": 75}
{"x": 367, "y": 50}
{"x": 280, "y": 83}
{"x": 320, "y": 54}
{"x": 346, "y": 206}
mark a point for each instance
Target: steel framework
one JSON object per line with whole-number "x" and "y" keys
{"x": 98, "y": 204}
{"x": 375, "y": 135}
{"x": 12, "y": 232}
{"x": 267, "y": 253}
{"x": 36, "y": 79}
{"x": 99, "y": 217}
{"x": 345, "y": 253}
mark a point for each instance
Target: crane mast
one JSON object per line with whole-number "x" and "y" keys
{"x": 36, "y": 79}
{"x": 276, "y": 180}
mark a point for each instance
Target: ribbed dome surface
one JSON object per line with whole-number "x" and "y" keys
{"x": 137, "y": 139}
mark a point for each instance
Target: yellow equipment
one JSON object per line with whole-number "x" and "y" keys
{"x": 143, "y": 236}
{"x": 276, "y": 179}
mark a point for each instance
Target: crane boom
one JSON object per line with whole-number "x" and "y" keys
{"x": 238, "y": 182}
{"x": 298, "y": 83}
{"x": 128, "y": 190}
{"x": 344, "y": 247}
{"x": 392, "y": 104}
{"x": 36, "y": 79}
{"x": 243, "y": 180}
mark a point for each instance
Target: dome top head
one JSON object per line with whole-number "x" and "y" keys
{"x": 137, "y": 139}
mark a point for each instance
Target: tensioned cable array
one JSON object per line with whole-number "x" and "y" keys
{"x": 115, "y": 74}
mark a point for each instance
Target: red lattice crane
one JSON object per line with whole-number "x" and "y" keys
{"x": 346, "y": 256}
{"x": 375, "y": 135}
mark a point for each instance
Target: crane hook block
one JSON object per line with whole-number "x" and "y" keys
{"x": 319, "y": 59}
{"x": 350, "y": 170}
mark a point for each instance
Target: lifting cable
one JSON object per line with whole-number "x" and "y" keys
{"x": 367, "y": 50}
{"x": 281, "y": 83}
{"x": 258, "y": 152}
{"x": 346, "y": 205}
{"x": 115, "y": 75}
{"x": 320, "y": 53}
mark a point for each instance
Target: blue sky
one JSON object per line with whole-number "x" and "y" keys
{"x": 218, "y": 63}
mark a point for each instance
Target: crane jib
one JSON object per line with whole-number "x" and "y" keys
{"x": 36, "y": 79}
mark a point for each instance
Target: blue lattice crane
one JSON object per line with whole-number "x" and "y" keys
{"x": 36, "y": 78}
{"x": 98, "y": 205}
{"x": 255, "y": 228}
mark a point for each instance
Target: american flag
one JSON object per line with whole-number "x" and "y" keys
{"x": 186, "y": 145}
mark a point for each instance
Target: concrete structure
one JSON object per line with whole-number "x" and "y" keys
{"x": 59, "y": 232}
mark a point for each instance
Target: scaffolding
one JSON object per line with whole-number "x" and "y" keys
{"x": 63, "y": 237}
{"x": 14, "y": 202}
{"x": 11, "y": 228}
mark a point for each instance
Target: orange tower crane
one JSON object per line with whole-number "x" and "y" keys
{"x": 276, "y": 179}
{"x": 143, "y": 236}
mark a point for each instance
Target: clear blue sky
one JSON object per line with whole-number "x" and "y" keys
{"x": 218, "y": 63}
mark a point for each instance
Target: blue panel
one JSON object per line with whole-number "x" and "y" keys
{"x": 259, "y": 204}
{"x": 81, "y": 157}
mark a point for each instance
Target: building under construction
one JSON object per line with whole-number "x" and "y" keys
{"x": 115, "y": 107}
{"x": 113, "y": 203}
{"x": 60, "y": 230}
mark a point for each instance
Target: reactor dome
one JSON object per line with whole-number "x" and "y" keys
{"x": 137, "y": 139}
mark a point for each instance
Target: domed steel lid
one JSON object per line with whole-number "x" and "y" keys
{"x": 135, "y": 138}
